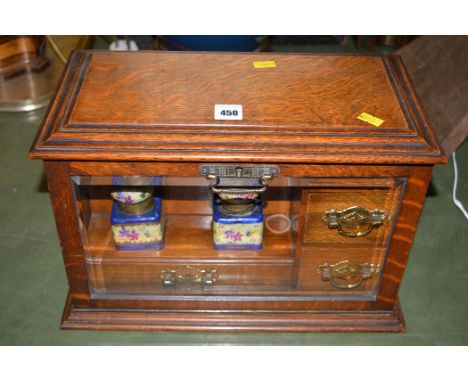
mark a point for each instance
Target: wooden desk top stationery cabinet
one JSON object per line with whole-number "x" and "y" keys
{"x": 232, "y": 191}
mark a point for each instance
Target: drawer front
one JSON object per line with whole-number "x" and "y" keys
{"x": 352, "y": 217}
{"x": 340, "y": 270}
{"x": 192, "y": 278}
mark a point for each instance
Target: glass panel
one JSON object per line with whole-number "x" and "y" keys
{"x": 149, "y": 236}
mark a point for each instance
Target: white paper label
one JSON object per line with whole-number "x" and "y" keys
{"x": 228, "y": 112}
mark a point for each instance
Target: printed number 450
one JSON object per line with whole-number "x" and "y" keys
{"x": 228, "y": 113}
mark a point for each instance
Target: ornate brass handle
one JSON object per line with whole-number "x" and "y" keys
{"x": 236, "y": 179}
{"x": 354, "y": 221}
{"x": 189, "y": 275}
{"x": 347, "y": 275}
{"x": 236, "y": 191}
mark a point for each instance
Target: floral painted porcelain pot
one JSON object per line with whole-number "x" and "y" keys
{"x": 237, "y": 231}
{"x": 138, "y": 232}
{"x": 134, "y": 200}
{"x": 237, "y": 203}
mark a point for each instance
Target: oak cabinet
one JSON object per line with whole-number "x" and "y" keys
{"x": 333, "y": 152}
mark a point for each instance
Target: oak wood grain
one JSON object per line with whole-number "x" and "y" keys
{"x": 405, "y": 229}
{"x": 66, "y": 219}
{"x": 271, "y": 321}
{"x": 159, "y": 106}
{"x": 149, "y": 114}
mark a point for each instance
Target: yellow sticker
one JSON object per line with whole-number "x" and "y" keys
{"x": 264, "y": 64}
{"x": 370, "y": 119}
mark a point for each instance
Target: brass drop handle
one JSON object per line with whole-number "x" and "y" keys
{"x": 237, "y": 191}
{"x": 232, "y": 190}
{"x": 189, "y": 276}
{"x": 354, "y": 221}
{"x": 346, "y": 274}
{"x": 238, "y": 179}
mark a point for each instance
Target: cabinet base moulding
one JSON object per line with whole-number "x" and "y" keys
{"x": 272, "y": 321}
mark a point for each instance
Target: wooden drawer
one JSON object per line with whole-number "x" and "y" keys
{"x": 318, "y": 230}
{"x": 340, "y": 279}
{"x": 190, "y": 277}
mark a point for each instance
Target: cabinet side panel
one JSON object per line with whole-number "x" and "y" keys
{"x": 405, "y": 228}
{"x": 66, "y": 219}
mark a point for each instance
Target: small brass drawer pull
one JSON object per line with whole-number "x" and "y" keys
{"x": 188, "y": 276}
{"x": 354, "y": 221}
{"x": 347, "y": 275}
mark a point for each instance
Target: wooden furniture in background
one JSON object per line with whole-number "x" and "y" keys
{"x": 19, "y": 54}
{"x": 350, "y": 190}
{"x": 30, "y": 68}
{"x": 437, "y": 66}
{"x": 372, "y": 42}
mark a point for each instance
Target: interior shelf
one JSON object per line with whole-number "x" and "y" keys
{"x": 187, "y": 237}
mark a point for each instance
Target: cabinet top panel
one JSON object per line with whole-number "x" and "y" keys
{"x": 261, "y": 107}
